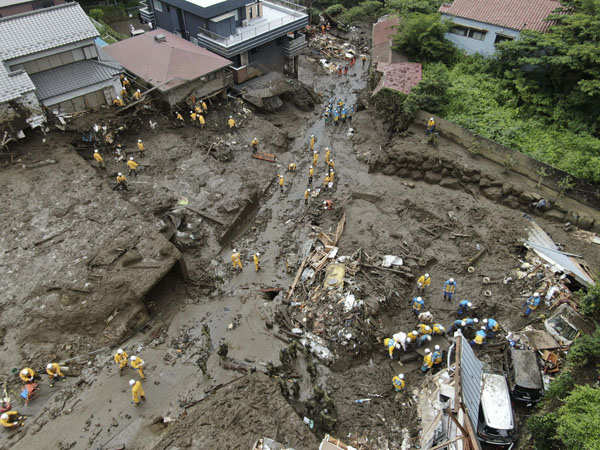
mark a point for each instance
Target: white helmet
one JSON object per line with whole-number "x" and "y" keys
{"x": 308, "y": 189}
{"x": 536, "y": 294}
{"x": 234, "y": 250}
{"x": 414, "y": 331}
{"x": 312, "y": 135}
{"x": 24, "y": 372}
{"x": 431, "y": 118}
{"x": 131, "y": 158}
{"x": 462, "y": 323}
{"x": 469, "y": 304}
{"x": 4, "y": 416}
{"x": 49, "y": 366}
{"x": 255, "y": 138}
{"x": 191, "y": 112}
{"x": 119, "y": 174}
{"x": 118, "y": 98}
{"x": 133, "y": 357}
{"x": 401, "y": 376}
{"x": 427, "y": 328}
{"x": 426, "y": 275}
{"x": 419, "y": 298}
{"x": 437, "y": 347}
{"x": 484, "y": 321}
{"x": 131, "y": 382}
{"x": 451, "y": 280}
{"x": 120, "y": 351}
{"x": 139, "y": 140}
{"x": 428, "y": 337}
{"x": 95, "y": 151}
{"x": 231, "y": 117}
{"x": 138, "y": 90}
{"x": 324, "y": 202}
{"x": 257, "y": 254}
{"x": 476, "y": 320}
{"x": 483, "y": 328}
{"x": 409, "y": 340}
{"x": 427, "y": 351}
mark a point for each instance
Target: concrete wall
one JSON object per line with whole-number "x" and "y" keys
{"x": 89, "y": 97}
{"x": 199, "y": 88}
{"x": 472, "y": 45}
{"x": 519, "y": 162}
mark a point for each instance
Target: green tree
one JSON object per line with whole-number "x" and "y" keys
{"x": 405, "y": 7}
{"x": 97, "y": 14}
{"x": 590, "y": 302}
{"x": 421, "y": 38}
{"x": 431, "y": 94}
{"x": 578, "y": 421}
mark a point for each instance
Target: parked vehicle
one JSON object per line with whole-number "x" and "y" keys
{"x": 524, "y": 376}
{"x": 496, "y": 420}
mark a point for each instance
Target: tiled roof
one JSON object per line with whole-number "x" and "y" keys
{"x": 400, "y": 77}
{"x": 384, "y": 29}
{"x": 43, "y": 29}
{"x": 515, "y": 14}
{"x": 12, "y": 85}
{"x": 157, "y": 62}
{"x": 71, "y": 77}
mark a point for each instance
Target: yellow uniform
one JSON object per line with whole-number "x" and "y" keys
{"x": 132, "y": 165}
{"x": 424, "y": 329}
{"x": 121, "y": 360}
{"x": 331, "y": 164}
{"x": 125, "y": 82}
{"x": 391, "y": 345}
{"x": 306, "y": 194}
{"x": 198, "y": 109}
{"x": 137, "y": 393}
{"x": 137, "y": 363}
{"x": 398, "y": 383}
{"x": 438, "y": 329}
{"x": 430, "y": 123}
{"x": 98, "y": 157}
{"x": 231, "y": 122}
{"x": 193, "y": 116}
{"x": 124, "y": 92}
{"x": 204, "y": 107}
{"x": 179, "y": 117}
{"x": 281, "y": 182}
{"x": 137, "y": 95}
{"x": 315, "y": 158}
{"x": 312, "y": 143}
{"x": 326, "y": 181}
{"x": 427, "y": 362}
{"x": 121, "y": 179}
{"x": 291, "y": 167}
{"x": 256, "y": 262}
{"x": 11, "y": 421}
{"x": 118, "y": 102}
{"x": 236, "y": 260}
{"x": 201, "y": 120}
{"x": 412, "y": 336}
{"x": 54, "y": 371}
{"x": 311, "y": 172}
{"x": 254, "y": 143}
{"x": 27, "y": 375}
{"x": 327, "y": 155}
{"x": 331, "y": 176}
{"x": 423, "y": 282}
{"x": 140, "y": 146}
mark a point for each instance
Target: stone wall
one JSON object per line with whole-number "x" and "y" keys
{"x": 445, "y": 171}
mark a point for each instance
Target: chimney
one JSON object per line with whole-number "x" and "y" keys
{"x": 160, "y": 38}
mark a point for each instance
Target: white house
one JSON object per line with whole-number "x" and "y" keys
{"x": 478, "y": 25}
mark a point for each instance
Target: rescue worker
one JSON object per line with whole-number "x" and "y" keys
{"x": 350, "y": 113}
{"x": 343, "y": 115}
{"x": 236, "y": 259}
{"x": 11, "y": 419}
{"x": 423, "y": 282}
{"x": 417, "y": 305}
{"x": 54, "y": 373}
{"x": 256, "y": 261}
{"x": 456, "y": 325}
{"x": 198, "y": 109}
{"x": 326, "y": 182}
{"x": 323, "y": 28}
{"x": 470, "y": 323}
{"x": 121, "y": 182}
{"x": 179, "y": 117}
{"x": 328, "y": 204}
{"x": 363, "y": 59}
{"x": 424, "y": 329}
{"x": 398, "y": 382}
{"x": 231, "y": 122}
{"x": 132, "y": 167}
{"x": 201, "y": 121}
{"x": 427, "y": 361}
{"x": 315, "y": 158}
{"x": 479, "y": 337}
{"x": 291, "y": 167}
{"x": 137, "y": 392}
{"x": 438, "y": 329}
{"x": 340, "y": 103}
{"x": 124, "y": 92}
{"x": 532, "y": 303}
{"x": 306, "y": 196}
{"x": 412, "y": 335}
{"x": 430, "y": 126}
{"x": 140, "y": 146}
{"x": 391, "y": 345}
{"x": 204, "y": 107}
{"x": 491, "y": 326}
{"x": 281, "y": 182}
{"x": 121, "y": 359}
{"x": 118, "y": 102}
{"x": 125, "y": 82}
{"x": 137, "y": 94}
{"x": 336, "y": 117}
{"x": 331, "y": 165}
{"x": 311, "y": 172}
{"x": 99, "y": 159}
{"x": 464, "y": 307}
{"x": 425, "y": 317}
{"x": 436, "y": 356}
{"x": 312, "y": 142}
{"x": 137, "y": 363}
{"x": 327, "y": 155}
{"x": 27, "y": 375}
{"x": 254, "y": 145}
{"x": 422, "y": 340}
{"x": 449, "y": 289}
{"x": 193, "y": 117}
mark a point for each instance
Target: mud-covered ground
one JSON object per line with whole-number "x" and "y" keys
{"x": 222, "y": 199}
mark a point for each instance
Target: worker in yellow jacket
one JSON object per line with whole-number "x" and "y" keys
{"x": 11, "y": 419}
{"x": 398, "y": 382}
{"x": 132, "y": 167}
{"x": 27, "y": 375}
{"x": 99, "y": 159}
{"x": 137, "y": 392}
{"x": 54, "y": 373}
{"x": 236, "y": 259}
{"x": 137, "y": 363}
{"x": 427, "y": 361}
{"x": 423, "y": 282}
{"x": 231, "y": 122}
{"x": 256, "y": 261}
{"x": 121, "y": 359}
{"x": 141, "y": 148}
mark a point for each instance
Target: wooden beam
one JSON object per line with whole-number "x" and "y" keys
{"x": 471, "y": 433}
{"x": 456, "y": 422}
{"x": 340, "y": 229}
{"x": 298, "y": 274}
{"x": 447, "y": 443}
{"x": 457, "y": 380}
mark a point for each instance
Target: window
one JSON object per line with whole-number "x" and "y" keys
{"x": 502, "y": 38}
{"x": 157, "y": 5}
{"x": 472, "y": 33}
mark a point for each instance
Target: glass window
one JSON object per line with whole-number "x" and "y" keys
{"x": 461, "y": 31}
{"x": 502, "y": 38}
{"x": 477, "y": 34}
{"x": 158, "y": 5}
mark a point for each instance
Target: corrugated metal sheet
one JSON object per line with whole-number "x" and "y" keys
{"x": 71, "y": 77}
{"x": 470, "y": 376}
{"x": 545, "y": 247}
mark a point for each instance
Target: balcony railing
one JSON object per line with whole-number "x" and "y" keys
{"x": 249, "y": 32}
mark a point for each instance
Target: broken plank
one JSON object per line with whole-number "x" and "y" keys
{"x": 406, "y": 274}
{"x": 474, "y": 259}
{"x": 37, "y": 164}
{"x": 340, "y": 229}
{"x": 49, "y": 238}
{"x": 206, "y": 216}
{"x": 300, "y": 269}
{"x": 270, "y": 157}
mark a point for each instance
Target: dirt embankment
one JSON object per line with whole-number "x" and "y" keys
{"x": 77, "y": 260}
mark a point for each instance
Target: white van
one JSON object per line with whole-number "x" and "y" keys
{"x": 496, "y": 420}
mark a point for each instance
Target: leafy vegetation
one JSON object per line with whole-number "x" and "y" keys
{"x": 421, "y": 38}
{"x": 590, "y": 302}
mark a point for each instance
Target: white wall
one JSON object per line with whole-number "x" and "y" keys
{"x": 471, "y": 45}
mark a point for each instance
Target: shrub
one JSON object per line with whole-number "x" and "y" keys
{"x": 543, "y": 429}
{"x": 431, "y": 94}
{"x": 560, "y": 387}
{"x": 590, "y": 302}
{"x": 335, "y": 10}
{"x": 97, "y": 14}
{"x": 364, "y": 12}
{"x": 421, "y": 38}
{"x": 578, "y": 421}
{"x": 585, "y": 351}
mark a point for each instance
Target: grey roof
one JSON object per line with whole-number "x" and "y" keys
{"x": 71, "y": 77}
{"x": 13, "y": 84}
{"x": 470, "y": 376}
{"x": 545, "y": 247}
{"x": 43, "y": 29}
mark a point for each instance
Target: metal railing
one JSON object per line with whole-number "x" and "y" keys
{"x": 288, "y": 5}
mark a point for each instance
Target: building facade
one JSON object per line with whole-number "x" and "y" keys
{"x": 478, "y": 37}
{"x": 243, "y": 31}
{"x": 12, "y": 7}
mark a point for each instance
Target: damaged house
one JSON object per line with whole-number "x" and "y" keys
{"x": 48, "y": 58}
